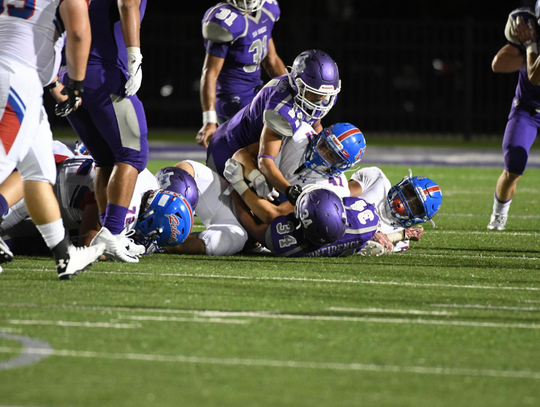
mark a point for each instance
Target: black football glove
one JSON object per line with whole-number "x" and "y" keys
{"x": 73, "y": 90}
{"x": 292, "y": 192}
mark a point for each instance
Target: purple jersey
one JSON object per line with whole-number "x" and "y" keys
{"x": 284, "y": 238}
{"x": 108, "y": 47}
{"x": 240, "y": 39}
{"x": 273, "y": 106}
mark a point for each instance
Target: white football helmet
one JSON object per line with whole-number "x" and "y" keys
{"x": 247, "y": 6}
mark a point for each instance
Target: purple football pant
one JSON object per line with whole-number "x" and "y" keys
{"x": 228, "y": 105}
{"x": 519, "y": 136}
{"x": 112, "y": 127}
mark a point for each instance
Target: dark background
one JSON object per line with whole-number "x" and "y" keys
{"x": 415, "y": 67}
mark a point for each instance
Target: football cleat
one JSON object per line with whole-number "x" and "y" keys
{"x": 371, "y": 248}
{"x": 5, "y": 254}
{"x": 497, "y": 222}
{"x": 79, "y": 259}
{"x": 117, "y": 247}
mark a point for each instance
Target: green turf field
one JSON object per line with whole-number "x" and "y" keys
{"x": 454, "y": 321}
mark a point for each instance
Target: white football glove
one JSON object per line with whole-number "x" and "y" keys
{"x": 234, "y": 173}
{"x": 259, "y": 183}
{"x": 134, "y": 70}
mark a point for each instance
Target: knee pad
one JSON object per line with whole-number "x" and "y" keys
{"x": 223, "y": 240}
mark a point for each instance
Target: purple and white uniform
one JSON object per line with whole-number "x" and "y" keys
{"x": 284, "y": 238}
{"x": 242, "y": 41}
{"x": 273, "y": 106}
{"x": 523, "y": 120}
{"x": 112, "y": 126}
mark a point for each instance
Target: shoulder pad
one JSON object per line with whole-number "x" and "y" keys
{"x": 223, "y": 24}
{"x": 271, "y": 8}
{"x": 277, "y": 123}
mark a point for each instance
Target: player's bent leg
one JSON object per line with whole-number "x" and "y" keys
{"x": 223, "y": 240}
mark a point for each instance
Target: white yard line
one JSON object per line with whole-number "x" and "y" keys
{"x": 488, "y": 307}
{"x": 392, "y": 311}
{"x": 486, "y": 215}
{"x": 469, "y": 256}
{"x": 479, "y": 232}
{"x": 179, "y": 319}
{"x": 83, "y": 324}
{"x": 438, "y": 370}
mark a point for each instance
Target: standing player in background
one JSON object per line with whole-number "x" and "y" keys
{"x": 112, "y": 123}
{"x": 305, "y": 95}
{"x": 238, "y": 40}
{"x": 519, "y": 54}
{"x": 28, "y": 62}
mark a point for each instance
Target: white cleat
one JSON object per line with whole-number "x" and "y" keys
{"x": 79, "y": 259}
{"x": 497, "y": 222}
{"x": 118, "y": 247}
{"x": 5, "y": 254}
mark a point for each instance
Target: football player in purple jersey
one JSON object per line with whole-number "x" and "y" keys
{"x": 305, "y": 95}
{"x": 321, "y": 224}
{"x": 519, "y": 54}
{"x": 112, "y": 123}
{"x": 238, "y": 40}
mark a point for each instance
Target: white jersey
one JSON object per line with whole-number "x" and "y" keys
{"x": 290, "y": 161}
{"x": 30, "y": 34}
{"x": 375, "y": 187}
{"x": 145, "y": 182}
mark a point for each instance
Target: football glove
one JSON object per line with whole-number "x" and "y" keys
{"x": 234, "y": 173}
{"x": 414, "y": 234}
{"x": 292, "y": 192}
{"x": 384, "y": 241}
{"x": 73, "y": 90}
{"x": 134, "y": 70}
{"x": 258, "y": 182}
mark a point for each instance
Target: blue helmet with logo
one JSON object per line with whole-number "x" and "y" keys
{"x": 167, "y": 215}
{"x": 314, "y": 77}
{"x": 414, "y": 200}
{"x": 335, "y": 149}
{"x": 322, "y": 215}
{"x": 177, "y": 180}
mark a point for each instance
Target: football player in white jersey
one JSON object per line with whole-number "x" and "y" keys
{"x": 308, "y": 158}
{"x": 74, "y": 190}
{"x": 209, "y": 196}
{"x": 412, "y": 201}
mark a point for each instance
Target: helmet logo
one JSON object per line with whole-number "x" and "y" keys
{"x": 173, "y": 223}
{"x": 301, "y": 61}
{"x": 360, "y": 154}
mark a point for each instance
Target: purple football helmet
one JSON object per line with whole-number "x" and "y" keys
{"x": 322, "y": 215}
{"x": 314, "y": 77}
{"x": 177, "y": 180}
{"x": 247, "y": 6}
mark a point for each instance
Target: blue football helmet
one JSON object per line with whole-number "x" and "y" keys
{"x": 165, "y": 215}
{"x": 80, "y": 148}
{"x": 322, "y": 215}
{"x": 247, "y": 6}
{"x": 414, "y": 200}
{"x": 177, "y": 180}
{"x": 335, "y": 149}
{"x": 314, "y": 77}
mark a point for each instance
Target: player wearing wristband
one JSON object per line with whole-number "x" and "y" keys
{"x": 112, "y": 121}
{"x": 29, "y": 59}
{"x": 238, "y": 41}
{"x": 519, "y": 54}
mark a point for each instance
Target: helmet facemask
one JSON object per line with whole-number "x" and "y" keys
{"x": 322, "y": 156}
{"x": 247, "y": 6}
{"x": 313, "y": 103}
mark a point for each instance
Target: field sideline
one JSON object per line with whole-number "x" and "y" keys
{"x": 454, "y": 321}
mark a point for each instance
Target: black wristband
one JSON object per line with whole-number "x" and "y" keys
{"x": 77, "y": 86}
{"x": 52, "y": 85}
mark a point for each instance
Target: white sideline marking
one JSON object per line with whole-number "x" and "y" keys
{"x": 10, "y": 331}
{"x": 267, "y": 315}
{"x": 478, "y": 232}
{"x": 474, "y": 215}
{"x": 521, "y": 374}
{"x": 307, "y": 280}
{"x": 392, "y": 311}
{"x": 85, "y": 324}
{"x": 487, "y": 307}
{"x": 179, "y": 319}
{"x": 470, "y": 256}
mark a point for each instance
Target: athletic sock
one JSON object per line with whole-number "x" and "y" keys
{"x": 115, "y": 217}
{"x": 500, "y": 207}
{"x": 53, "y": 233}
{"x": 3, "y": 205}
{"x": 61, "y": 255}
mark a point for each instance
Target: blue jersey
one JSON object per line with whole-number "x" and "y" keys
{"x": 240, "y": 39}
{"x": 284, "y": 237}
{"x": 108, "y": 48}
